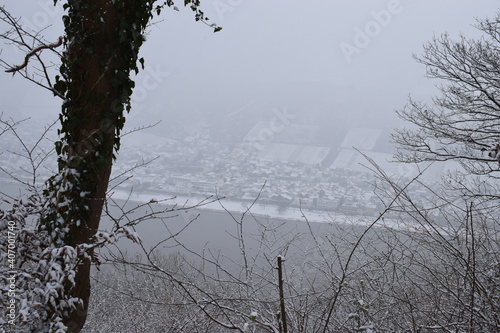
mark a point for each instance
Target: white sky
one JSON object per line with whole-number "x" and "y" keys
{"x": 273, "y": 54}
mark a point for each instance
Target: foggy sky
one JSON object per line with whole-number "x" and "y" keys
{"x": 272, "y": 54}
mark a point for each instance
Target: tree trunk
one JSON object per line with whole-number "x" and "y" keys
{"x": 100, "y": 53}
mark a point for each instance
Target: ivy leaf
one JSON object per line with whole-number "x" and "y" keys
{"x": 58, "y": 147}
{"x": 60, "y": 86}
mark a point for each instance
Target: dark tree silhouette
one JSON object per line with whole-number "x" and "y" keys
{"x": 463, "y": 124}
{"x": 101, "y": 42}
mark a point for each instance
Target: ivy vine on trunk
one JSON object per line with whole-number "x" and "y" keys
{"x": 102, "y": 42}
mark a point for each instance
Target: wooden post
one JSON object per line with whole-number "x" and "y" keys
{"x": 282, "y": 296}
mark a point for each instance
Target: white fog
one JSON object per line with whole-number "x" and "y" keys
{"x": 271, "y": 138}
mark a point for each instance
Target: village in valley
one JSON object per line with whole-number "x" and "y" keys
{"x": 287, "y": 172}
{"x": 290, "y": 169}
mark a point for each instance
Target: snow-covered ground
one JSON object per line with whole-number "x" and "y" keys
{"x": 266, "y": 211}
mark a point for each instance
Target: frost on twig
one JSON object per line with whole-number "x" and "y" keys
{"x": 32, "y": 53}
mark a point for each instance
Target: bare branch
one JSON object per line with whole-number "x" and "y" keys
{"x": 34, "y": 52}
